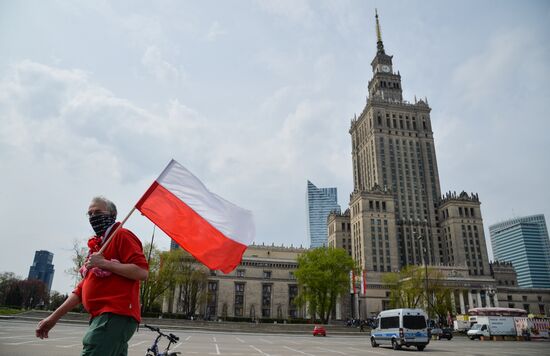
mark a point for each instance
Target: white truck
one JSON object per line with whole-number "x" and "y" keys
{"x": 488, "y": 326}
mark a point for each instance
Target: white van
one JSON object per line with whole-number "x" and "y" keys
{"x": 401, "y": 327}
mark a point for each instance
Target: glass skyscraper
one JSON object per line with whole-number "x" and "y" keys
{"x": 320, "y": 202}
{"x": 42, "y": 268}
{"x": 524, "y": 242}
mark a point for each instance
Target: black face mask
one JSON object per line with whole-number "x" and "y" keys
{"x": 101, "y": 222}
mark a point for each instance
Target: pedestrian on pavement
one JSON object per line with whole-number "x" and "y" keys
{"x": 109, "y": 289}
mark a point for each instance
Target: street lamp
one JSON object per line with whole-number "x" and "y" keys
{"x": 421, "y": 239}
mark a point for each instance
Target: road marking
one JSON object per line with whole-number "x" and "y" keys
{"x": 337, "y": 352}
{"x": 301, "y": 352}
{"x": 269, "y": 342}
{"x": 240, "y": 340}
{"x": 60, "y": 338}
{"x": 260, "y": 351}
{"x": 14, "y": 337}
{"x": 68, "y": 346}
{"x": 178, "y": 345}
{"x": 188, "y": 338}
{"x": 138, "y": 343}
{"x": 20, "y": 343}
{"x": 217, "y": 349}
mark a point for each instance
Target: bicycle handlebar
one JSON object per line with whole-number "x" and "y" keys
{"x": 173, "y": 338}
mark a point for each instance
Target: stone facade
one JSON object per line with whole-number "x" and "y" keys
{"x": 463, "y": 238}
{"x": 396, "y": 183}
{"x": 339, "y": 231}
{"x": 262, "y": 286}
{"x": 504, "y": 274}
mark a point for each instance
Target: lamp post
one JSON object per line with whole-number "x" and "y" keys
{"x": 424, "y": 252}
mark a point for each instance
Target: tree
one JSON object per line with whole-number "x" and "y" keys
{"x": 323, "y": 276}
{"x": 56, "y": 299}
{"x": 80, "y": 253}
{"x": 161, "y": 277}
{"x": 22, "y": 293}
{"x": 191, "y": 280}
{"x": 8, "y": 281}
{"x": 33, "y": 293}
{"x": 407, "y": 290}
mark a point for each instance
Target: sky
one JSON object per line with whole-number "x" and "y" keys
{"x": 255, "y": 98}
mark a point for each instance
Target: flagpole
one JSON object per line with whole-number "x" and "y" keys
{"x": 144, "y": 289}
{"x": 116, "y": 230}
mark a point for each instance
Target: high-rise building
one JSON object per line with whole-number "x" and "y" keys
{"x": 42, "y": 268}
{"x": 398, "y": 215}
{"x": 174, "y": 245}
{"x": 320, "y": 203}
{"x": 524, "y": 242}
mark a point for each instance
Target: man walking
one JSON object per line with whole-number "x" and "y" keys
{"x": 109, "y": 289}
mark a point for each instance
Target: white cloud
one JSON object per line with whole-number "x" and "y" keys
{"x": 215, "y": 31}
{"x": 158, "y": 66}
{"x": 79, "y": 139}
{"x": 298, "y": 11}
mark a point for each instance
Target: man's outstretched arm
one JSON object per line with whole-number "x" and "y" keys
{"x": 48, "y": 323}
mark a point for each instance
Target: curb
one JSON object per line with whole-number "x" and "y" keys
{"x": 162, "y": 325}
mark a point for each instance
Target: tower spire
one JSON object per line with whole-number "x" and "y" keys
{"x": 379, "y": 43}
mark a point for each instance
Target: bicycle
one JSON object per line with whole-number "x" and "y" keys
{"x": 154, "y": 349}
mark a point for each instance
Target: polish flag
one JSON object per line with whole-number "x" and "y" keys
{"x": 213, "y": 230}
{"x": 352, "y": 286}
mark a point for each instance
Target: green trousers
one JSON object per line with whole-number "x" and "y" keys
{"x": 108, "y": 335}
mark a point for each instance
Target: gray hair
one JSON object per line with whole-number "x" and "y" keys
{"x": 109, "y": 205}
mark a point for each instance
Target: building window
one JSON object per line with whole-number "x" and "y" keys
{"x": 239, "y": 299}
{"x": 211, "y": 299}
{"x": 266, "y": 300}
{"x": 240, "y": 273}
{"x": 267, "y": 274}
{"x": 292, "y": 294}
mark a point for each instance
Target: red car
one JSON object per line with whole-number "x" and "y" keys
{"x": 319, "y": 330}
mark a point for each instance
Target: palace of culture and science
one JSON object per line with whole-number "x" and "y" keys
{"x": 397, "y": 216}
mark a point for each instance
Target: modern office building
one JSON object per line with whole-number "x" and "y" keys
{"x": 42, "y": 268}
{"x": 320, "y": 203}
{"x": 524, "y": 242}
{"x": 174, "y": 245}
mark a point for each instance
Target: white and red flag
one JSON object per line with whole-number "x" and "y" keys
{"x": 215, "y": 231}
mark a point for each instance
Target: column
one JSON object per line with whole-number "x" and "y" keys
{"x": 461, "y": 299}
{"x": 478, "y": 295}
{"x": 470, "y": 300}
{"x": 356, "y": 300}
{"x": 495, "y": 299}
{"x": 339, "y": 309}
{"x": 487, "y": 299}
{"x": 453, "y": 302}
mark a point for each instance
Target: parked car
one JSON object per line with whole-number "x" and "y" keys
{"x": 319, "y": 330}
{"x": 442, "y": 333}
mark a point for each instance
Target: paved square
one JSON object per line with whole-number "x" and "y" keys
{"x": 17, "y": 338}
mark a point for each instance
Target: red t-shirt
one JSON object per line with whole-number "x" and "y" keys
{"x": 115, "y": 294}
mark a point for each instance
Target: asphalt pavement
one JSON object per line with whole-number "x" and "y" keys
{"x": 17, "y": 338}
